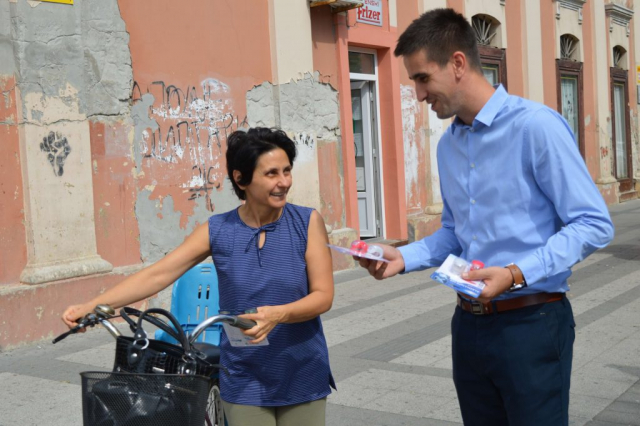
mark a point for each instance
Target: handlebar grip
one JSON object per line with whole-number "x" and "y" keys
{"x": 88, "y": 320}
{"x": 63, "y": 335}
{"x": 244, "y": 324}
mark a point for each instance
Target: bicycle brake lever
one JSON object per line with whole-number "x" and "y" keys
{"x": 86, "y": 321}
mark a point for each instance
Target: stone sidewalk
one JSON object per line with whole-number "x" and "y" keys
{"x": 390, "y": 346}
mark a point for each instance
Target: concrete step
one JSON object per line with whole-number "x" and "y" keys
{"x": 380, "y": 240}
{"x": 626, "y": 196}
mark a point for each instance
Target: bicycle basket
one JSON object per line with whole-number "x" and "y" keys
{"x": 124, "y": 399}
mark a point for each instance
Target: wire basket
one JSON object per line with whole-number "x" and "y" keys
{"x": 124, "y": 399}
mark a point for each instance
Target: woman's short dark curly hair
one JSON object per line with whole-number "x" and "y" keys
{"x": 245, "y": 147}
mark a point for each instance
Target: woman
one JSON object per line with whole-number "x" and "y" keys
{"x": 269, "y": 255}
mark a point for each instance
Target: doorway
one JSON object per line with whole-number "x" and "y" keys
{"x": 364, "y": 108}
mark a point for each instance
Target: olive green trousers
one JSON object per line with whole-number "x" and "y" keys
{"x": 305, "y": 414}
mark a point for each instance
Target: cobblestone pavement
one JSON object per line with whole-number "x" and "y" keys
{"x": 389, "y": 344}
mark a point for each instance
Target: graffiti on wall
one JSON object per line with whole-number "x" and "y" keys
{"x": 305, "y": 147}
{"x": 305, "y": 139}
{"x": 57, "y": 149}
{"x": 193, "y": 124}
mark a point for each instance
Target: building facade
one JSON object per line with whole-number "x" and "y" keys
{"x": 115, "y": 114}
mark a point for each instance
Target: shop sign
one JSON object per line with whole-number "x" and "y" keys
{"x": 370, "y": 12}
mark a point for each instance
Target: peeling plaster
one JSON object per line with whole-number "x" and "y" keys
{"x": 305, "y": 105}
{"x": 179, "y": 139}
{"x": 87, "y": 48}
{"x": 186, "y": 126}
{"x": 410, "y": 111}
{"x": 308, "y": 110}
{"x": 436, "y": 130}
{"x": 159, "y": 222}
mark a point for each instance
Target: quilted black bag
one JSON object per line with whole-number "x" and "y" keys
{"x": 125, "y": 399}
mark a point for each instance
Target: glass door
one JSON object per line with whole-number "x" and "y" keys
{"x": 620, "y": 131}
{"x": 569, "y": 106}
{"x": 366, "y": 156}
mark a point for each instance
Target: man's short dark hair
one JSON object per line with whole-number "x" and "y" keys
{"x": 244, "y": 148}
{"x": 441, "y": 33}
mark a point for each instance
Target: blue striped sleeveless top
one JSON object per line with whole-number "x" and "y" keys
{"x": 294, "y": 367}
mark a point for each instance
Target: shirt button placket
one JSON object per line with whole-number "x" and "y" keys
{"x": 472, "y": 178}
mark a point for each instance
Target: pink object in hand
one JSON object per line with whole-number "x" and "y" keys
{"x": 359, "y": 246}
{"x": 476, "y": 264}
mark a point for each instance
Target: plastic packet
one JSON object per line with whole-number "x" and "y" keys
{"x": 449, "y": 274}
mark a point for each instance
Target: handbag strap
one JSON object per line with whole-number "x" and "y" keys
{"x": 139, "y": 334}
{"x": 182, "y": 336}
{"x": 158, "y": 322}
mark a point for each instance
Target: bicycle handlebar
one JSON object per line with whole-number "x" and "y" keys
{"x": 233, "y": 320}
{"x": 100, "y": 317}
{"x": 90, "y": 320}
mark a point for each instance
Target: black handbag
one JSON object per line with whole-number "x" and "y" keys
{"x": 125, "y": 399}
{"x": 139, "y": 354}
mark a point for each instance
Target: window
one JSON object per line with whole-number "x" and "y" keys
{"x": 570, "y": 88}
{"x": 621, "y": 128}
{"x": 361, "y": 63}
{"x": 493, "y": 59}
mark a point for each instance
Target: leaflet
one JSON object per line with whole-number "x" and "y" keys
{"x": 449, "y": 274}
{"x": 238, "y": 339}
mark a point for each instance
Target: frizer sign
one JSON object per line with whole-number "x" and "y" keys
{"x": 370, "y": 12}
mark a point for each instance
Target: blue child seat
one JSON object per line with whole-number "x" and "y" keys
{"x": 194, "y": 298}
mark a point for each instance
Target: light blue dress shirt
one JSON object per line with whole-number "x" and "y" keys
{"x": 515, "y": 190}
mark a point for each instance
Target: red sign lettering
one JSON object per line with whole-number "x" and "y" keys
{"x": 371, "y": 12}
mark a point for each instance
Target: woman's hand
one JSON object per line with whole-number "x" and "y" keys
{"x": 73, "y": 313}
{"x": 266, "y": 319}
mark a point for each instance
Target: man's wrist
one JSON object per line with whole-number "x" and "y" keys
{"x": 519, "y": 281}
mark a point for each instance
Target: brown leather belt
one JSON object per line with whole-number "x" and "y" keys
{"x": 479, "y": 308}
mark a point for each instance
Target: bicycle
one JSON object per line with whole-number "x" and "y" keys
{"x": 210, "y": 354}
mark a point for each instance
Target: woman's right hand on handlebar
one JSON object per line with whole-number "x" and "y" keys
{"x": 73, "y": 313}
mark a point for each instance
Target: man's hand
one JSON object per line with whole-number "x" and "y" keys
{"x": 498, "y": 280}
{"x": 380, "y": 270}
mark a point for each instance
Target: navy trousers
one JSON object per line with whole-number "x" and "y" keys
{"x": 514, "y": 368}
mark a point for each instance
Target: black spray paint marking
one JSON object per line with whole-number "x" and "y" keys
{"x": 200, "y": 124}
{"x": 57, "y": 149}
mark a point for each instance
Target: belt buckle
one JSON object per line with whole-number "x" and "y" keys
{"x": 477, "y": 308}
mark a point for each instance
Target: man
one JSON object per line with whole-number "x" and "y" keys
{"x": 517, "y": 196}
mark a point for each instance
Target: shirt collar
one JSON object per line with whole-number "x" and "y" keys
{"x": 489, "y": 111}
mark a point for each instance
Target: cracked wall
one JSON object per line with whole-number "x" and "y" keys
{"x": 12, "y": 230}
{"x": 308, "y": 110}
{"x": 87, "y": 48}
{"x": 180, "y": 137}
{"x": 72, "y": 68}
{"x": 188, "y": 95}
